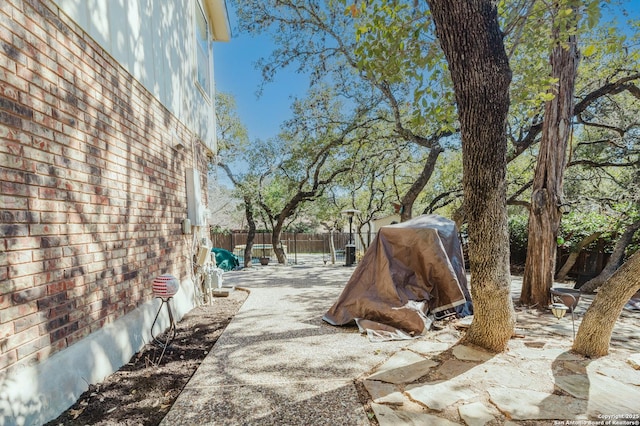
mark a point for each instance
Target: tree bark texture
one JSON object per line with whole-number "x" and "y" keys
{"x": 332, "y": 248}
{"x": 595, "y": 330}
{"x": 573, "y": 256}
{"x": 248, "y": 212}
{"x": 472, "y": 42}
{"x": 544, "y": 214}
{"x": 278, "y": 250}
{"x": 409, "y": 199}
{"x": 614, "y": 260}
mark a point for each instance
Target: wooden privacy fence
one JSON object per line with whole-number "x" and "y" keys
{"x": 298, "y": 242}
{"x": 295, "y": 242}
{"x": 588, "y": 264}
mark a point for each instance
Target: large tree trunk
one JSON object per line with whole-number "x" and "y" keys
{"x": 409, "y": 199}
{"x": 594, "y": 333}
{"x": 332, "y": 247}
{"x": 573, "y": 256}
{"x": 248, "y": 212}
{"x": 472, "y": 42}
{"x": 278, "y": 250}
{"x": 544, "y": 214}
{"x": 614, "y": 260}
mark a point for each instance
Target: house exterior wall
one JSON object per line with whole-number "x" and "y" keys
{"x": 92, "y": 196}
{"x": 154, "y": 41}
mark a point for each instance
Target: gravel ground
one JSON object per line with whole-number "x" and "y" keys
{"x": 278, "y": 362}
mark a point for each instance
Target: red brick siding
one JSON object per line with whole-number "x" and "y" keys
{"x": 91, "y": 193}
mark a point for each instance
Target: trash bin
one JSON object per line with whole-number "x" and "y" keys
{"x": 350, "y": 254}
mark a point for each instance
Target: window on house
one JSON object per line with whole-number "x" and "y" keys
{"x": 203, "y": 50}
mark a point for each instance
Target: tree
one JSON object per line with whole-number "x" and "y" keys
{"x": 547, "y": 197}
{"x": 377, "y": 65}
{"x": 580, "y": 229}
{"x": 232, "y": 145}
{"x": 471, "y": 39}
{"x": 615, "y": 259}
{"x": 595, "y": 330}
{"x": 573, "y": 255}
{"x": 606, "y": 163}
{"x": 318, "y": 145}
{"x": 374, "y": 186}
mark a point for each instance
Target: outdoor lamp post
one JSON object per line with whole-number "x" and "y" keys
{"x": 559, "y": 309}
{"x": 564, "y": 208}
{"x": 350, "y": 213}
{"x": 350, "y": 248}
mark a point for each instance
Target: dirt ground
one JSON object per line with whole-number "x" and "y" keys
{"x": 143, "y": 391}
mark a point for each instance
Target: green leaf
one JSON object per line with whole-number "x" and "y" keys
{"x": 589, "y": 50}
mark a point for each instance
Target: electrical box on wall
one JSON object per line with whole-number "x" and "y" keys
{"x": 203, "y": 255}
{"x": 195, "y": 207}
{"x": 186, "y": 226}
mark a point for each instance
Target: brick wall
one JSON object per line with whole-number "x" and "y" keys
{"x": 92, "y": 193}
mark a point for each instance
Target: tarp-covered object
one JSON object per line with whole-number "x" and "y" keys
{"x": 419, "y": 260}
{"x": 225, "y": 260}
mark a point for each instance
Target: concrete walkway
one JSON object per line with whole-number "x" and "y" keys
{"x": 278, "y": 363}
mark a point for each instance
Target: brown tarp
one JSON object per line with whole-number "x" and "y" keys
{"x": 419, "y": 260}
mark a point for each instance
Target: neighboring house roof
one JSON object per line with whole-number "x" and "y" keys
{"x": 216, "y": 11}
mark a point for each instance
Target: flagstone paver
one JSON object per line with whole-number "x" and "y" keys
{"x": 467, "y": 353}
{"x": 428, "y": 346}
{"x": 387, "y": 416}
{"x": 403, "y": 367}
{"x": 384, "y": 393}
{"x": 609, "y": 396}
{"x": 475, "y": 414}
{"x": 525, "y": 404}
{"x": 439, "y": 395}
{"x": 634, "y": 361}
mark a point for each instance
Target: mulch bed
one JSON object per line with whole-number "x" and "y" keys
{"x": 143, "y": 390}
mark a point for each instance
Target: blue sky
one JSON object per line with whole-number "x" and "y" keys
{"x": 235, "y": 73}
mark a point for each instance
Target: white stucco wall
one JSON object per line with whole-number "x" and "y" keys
{"x": 154, "y": 40}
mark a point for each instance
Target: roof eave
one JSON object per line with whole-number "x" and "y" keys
{"x": 218, "y": 19}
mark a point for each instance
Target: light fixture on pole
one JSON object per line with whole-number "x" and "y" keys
{"x": 350, "y": 248}
{"x": 563, "y": 206}
{"x": 559, "y": 309}
{"x": 350, "y": 213}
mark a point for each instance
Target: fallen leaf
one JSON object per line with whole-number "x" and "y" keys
{"x": 76, "y": 413}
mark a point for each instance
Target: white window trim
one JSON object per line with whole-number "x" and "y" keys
{"x": 199, "y": 9}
